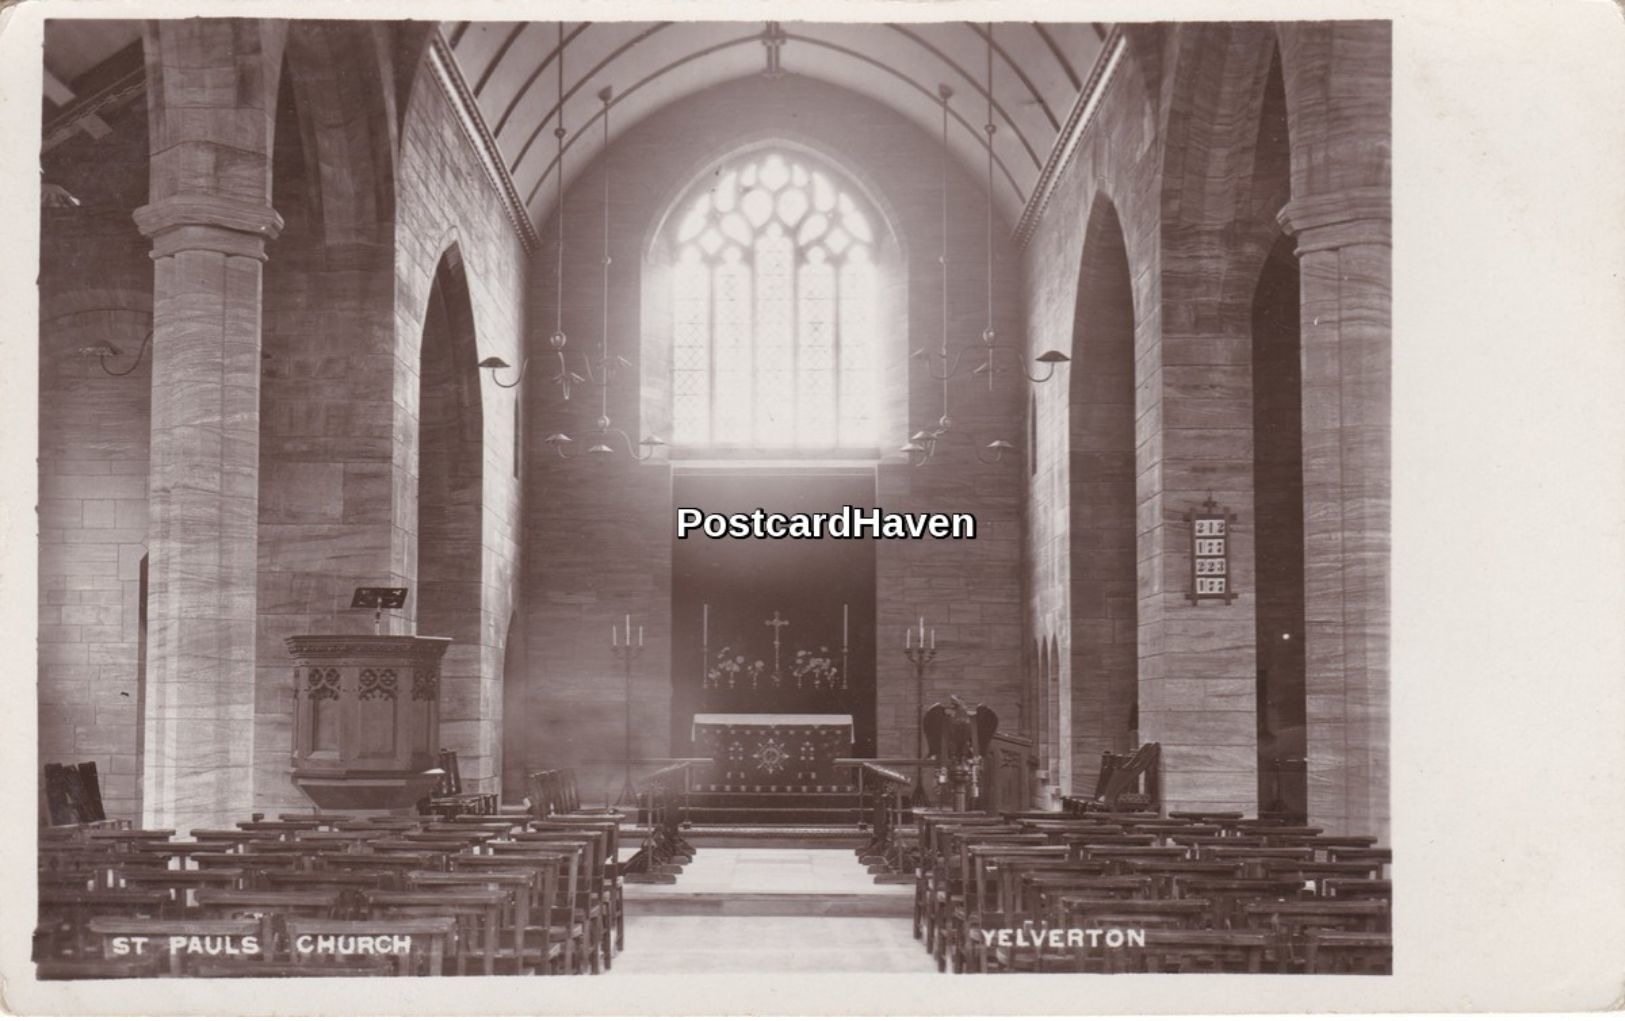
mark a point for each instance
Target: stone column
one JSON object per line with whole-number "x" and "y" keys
{"x": 203, "y": 506}
{"x": 1344, "y": 252}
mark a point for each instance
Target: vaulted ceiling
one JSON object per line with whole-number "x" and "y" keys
{"x": 513, "y": 70}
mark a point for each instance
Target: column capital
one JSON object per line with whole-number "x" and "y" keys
{"x": 211, "y": 223}
{"x": 1354, "y": 216}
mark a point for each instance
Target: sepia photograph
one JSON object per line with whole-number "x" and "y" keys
{"x": 949, "y": 530}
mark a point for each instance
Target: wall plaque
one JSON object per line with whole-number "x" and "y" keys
{"x": 1210, "y": 553}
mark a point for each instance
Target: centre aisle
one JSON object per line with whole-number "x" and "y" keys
{"x": 764, "y": 909}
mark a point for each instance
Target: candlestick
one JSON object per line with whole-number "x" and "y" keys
{"x": 843, "y": 623}
{"x": 933, "y": 638}
{"x": 705, "y": 624}
{"x": 640, "y": 636}
{"x": 922, "y": 627}
{"x": 614, "y": 641}
{"x": 908, "y": 638}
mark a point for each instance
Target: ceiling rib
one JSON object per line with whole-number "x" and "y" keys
{"x": 553, "y": 111}
{"x": 621, "y": 96}
{"x": 755, "y": 37}
{"x": 1060, "y": 56}
{"x": 496, "y": 58}
{"x": 546, "y": 62}
{"x": 981, "y": 90}
{"x": 1083, "y": 111}
{"x": 1032, "y": 90}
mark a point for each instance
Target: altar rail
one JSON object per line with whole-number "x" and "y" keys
{"x": 881, "y": 790}
{"x": 663, "y": 807}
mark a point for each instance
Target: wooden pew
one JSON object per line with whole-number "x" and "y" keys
{"x": 527, "y": 891}
{"x": 478, "y": 912}
{"x": 419, "y": 943}
{"x": 203, "y": 939}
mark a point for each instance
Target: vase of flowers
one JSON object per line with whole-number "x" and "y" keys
{"x": 816, "y": 669}
{"x": 733, "y": 670}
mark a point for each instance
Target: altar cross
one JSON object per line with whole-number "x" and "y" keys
{"x": 776, "y": 623}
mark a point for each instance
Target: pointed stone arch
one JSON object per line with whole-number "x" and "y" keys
{"x": 1102, "y": 548}
{"x": 449, "y": 571}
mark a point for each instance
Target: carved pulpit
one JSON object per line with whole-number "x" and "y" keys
{"x": 366, "y": 718}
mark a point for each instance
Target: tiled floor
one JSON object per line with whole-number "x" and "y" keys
{"x": 770, "y": 909}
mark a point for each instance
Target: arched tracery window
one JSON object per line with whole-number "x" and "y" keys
{"x": 774, "y": 310}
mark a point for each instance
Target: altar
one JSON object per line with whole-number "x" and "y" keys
{"x": 773, "y": 752}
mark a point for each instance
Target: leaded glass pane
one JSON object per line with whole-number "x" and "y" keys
{"x": 792, "y": 206}
{"x": 691, "y": 360}
{"x": 812, "y": 228}
{"x": 775, "y": 339}
{"x": 815, "y": 370}
{"x": 731, "y": 352}
{"x": 859, "y": 305}
{"x": 775, "y": 294}
{"x": 758, "y": 206}
{"x": 774, "y": 174}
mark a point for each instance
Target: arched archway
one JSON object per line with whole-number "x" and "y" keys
{"x": 1101, "y": 497}
{"x": 450, "y": 518}
{"x": 327, "y": 368}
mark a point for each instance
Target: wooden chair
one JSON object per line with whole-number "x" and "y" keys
{"x": 96, "y": 967}
{"x": 1292, "y": 920}
{"x": 178, "y": 944}
{"x": 525, "y": 890}
{"x": 1185, "y": 950}
{"x": 271, "y": 907}
{"x": 1320, "y": 873}
{"x": 602, "y": 890}
{"x": 1118, "y": 786}
{"x": 944, "y": 882}
{"x": 1353, "y": 953}
{"x": 568, "y": 921}
{"x": 182, "y": 884}
{"x": 415, "y": 945}
{"x": 351, "y": 879}
{"x": 63, "y": 916}
{"x": 292, "y": 969}
{"x": 1380, "y": 889}
{"x": 1089, "y": 912}
{"x": 985, "y": 903}
{"x": 611, "y": 854}
{"x": 478, "y": 913}
{"x": 1033, "y": 889}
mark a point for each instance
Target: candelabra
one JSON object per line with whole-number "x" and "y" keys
{"x": 622, "y": 647}
{"x": 920, "y": 652}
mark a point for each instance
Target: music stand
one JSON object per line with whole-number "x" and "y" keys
{"x": 378, "y": 600}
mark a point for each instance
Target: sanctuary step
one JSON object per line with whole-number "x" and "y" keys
{"x": 774, "y": 808}
{"x": 849, "y": 836}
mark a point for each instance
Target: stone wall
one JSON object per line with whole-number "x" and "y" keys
{"x": 1182, "y": 150}
{"x": 445, "y": 199}
{"x": 598, "y": 535}
{"x": 95, "y": 288}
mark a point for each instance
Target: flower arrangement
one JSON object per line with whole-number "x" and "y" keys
{"x": 732, "y": 670}
{"x": 819, "y": 669}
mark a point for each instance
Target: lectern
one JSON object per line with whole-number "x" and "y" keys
{"x": 366, "y": 718}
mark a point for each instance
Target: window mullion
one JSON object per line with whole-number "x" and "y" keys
{"x": 835, "y": 340}
{"x": 710, "y": 352}
{"x": 755, "y": 389}
{"x": 795, "y": 345}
